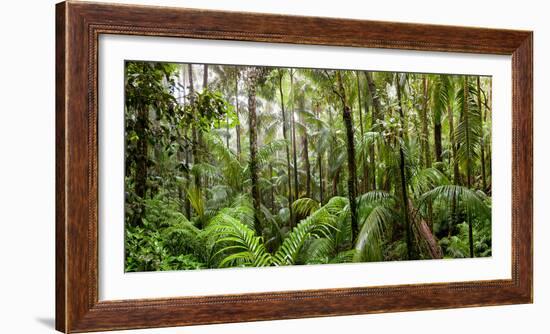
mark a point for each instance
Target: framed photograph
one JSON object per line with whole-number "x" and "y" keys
{"x": 223, "y": 166}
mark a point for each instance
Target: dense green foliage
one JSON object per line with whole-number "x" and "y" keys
{"x": 230, "y": 166}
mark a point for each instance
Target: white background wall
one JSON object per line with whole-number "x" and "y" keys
{"x": 27, "y": 71}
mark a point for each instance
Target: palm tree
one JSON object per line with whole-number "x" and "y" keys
{"x": 469, "y": 136}
{"x": 293, "y": 134}
{"x": 254, "y": 76}
{"x": 280, "y": 75}
{"x": 375, "y": 116}
{"x": 352, "y": 177}
{"x": 403, "y": 173}
{"x": 481, "y": 144}
{"x": 424, "y": 120}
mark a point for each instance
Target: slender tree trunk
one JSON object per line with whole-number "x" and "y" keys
{"x": 200, "y": 133}
{"x": 320, "y": 161}
{"x": 194, "y": 131}
{"x": 305, "y": 149}
{"x": 426, "y": 141}
{"x": 374, "y": 97}
{"x": 466, "y": 120}
{"x": 238, "y": 126}
{"x": 375, "y": 115}
{"x": 187, "y": 203}
{"x": 287, "y": 149}
{"x": 331, "y": 154}
{"x": 352, "y": 177}
{"x": 253, "y": 136}
{"x": 365, "y": 180}
{"x": 205, "y": 77}
{"x": 403, "y": 180}
{"x": 227, "y": 135}
{"x": 489, "y": 109}
{"x": 359, "y": 104}
{"x": 184, "y": 155}
{"x": 437, "y": 138}
{"x": 482, "y": 143}
{"x": 456, "y": 175}
{"x": 321, "y": 181}
{"x": 335, "y": 182}
{"x": 424, "y": 120}
{"x": 293, "y": 126}
{"x": 272, "y": 190}
{"x": 141, "y": 161}
{"x": 454, "y": 162}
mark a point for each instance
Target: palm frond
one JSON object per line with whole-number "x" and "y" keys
{"x": 368, "y": 246}
{"x": 474, "y": 202}
{"x": 303, "y": 207}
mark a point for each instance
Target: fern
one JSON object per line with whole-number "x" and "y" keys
{"x": 319, "y": 224}
{"x": 237, "y": 243}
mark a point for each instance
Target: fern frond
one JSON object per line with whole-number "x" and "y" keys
{"x": 318, "y": 225}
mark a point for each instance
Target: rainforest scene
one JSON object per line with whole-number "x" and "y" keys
{"x": 250, "y": 166}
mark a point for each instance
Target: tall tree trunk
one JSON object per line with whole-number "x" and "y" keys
{"x": 194, "y": 131}
{"x": 305, "y": 149}
{"x": 372, "y": 91}
{"x": 321, "y": 180}
{"x": 287, "y": 149}
{"x": 424, "y": 120}
{"x": 482, "y": 143}
{"x": 142, "y": 126}
{"x": 227, "y": 135}
{"x": 437, "y": 136}
{"x": 454, "y": 158}
{"x": 352, "y": 192}
{"x": 187, "y": 203}
{"x": 450, "y": 116}
{"x": 437, "y": 139}
{"x": 365, "y": 181}
{"x": 426, "y": 140}
{"x": 403, "y": 179}
{"x": 466, "y": 120}
{"x": 293, "y": 126}
{"x": 335, "y": 181}
{"x": 185, "y": 156}
{"x": 352, "y": 177}
{"x": 320, "y": 160}
{"x": 238, "y": 126}
{"x": 271, "y": 187}
{"x": 489, "y": 109}
{"x": 359, "y": 104}
{"x": 200, "y": 133}
{"x": 335, "y": 175}
{"x": 253, "y": 136}
{"x": 205, "y": 77}
{"x": 376, "y": 112}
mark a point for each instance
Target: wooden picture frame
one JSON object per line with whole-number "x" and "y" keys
{"x": 78, "y": 26}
